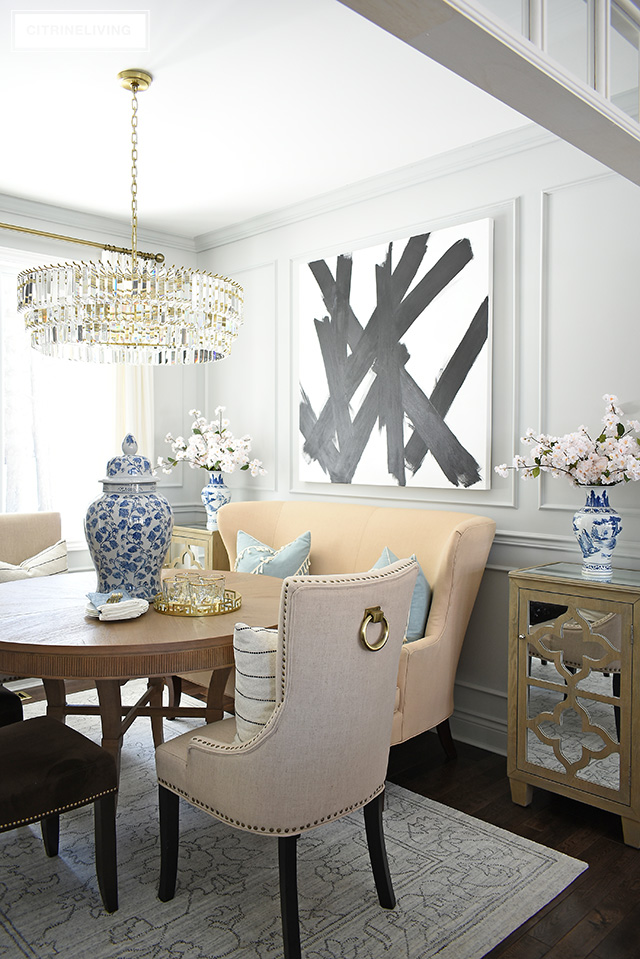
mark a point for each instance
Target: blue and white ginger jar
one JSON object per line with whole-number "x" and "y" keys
{"x": 596, "y": 526}
{"x": 128, "y": 528}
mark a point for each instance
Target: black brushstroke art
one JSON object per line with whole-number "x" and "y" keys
{"x": 351, "y": 351}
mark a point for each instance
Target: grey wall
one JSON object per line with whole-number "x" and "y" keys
{"x": 565, "y": 299}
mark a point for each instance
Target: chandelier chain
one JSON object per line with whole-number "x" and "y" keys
{"x": 134, "y": 174}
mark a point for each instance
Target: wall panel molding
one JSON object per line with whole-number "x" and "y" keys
{"x": 552, "y": 494}
{"x": 246, "y": 382}
{"x": 175, "y": 480}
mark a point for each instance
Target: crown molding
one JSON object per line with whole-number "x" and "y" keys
{"x": 33, "y": 210}
{"x": 500, "y": 146}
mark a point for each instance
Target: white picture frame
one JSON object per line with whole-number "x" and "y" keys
{"x": 394, "y": 362}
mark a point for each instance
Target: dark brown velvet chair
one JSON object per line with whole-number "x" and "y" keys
{"x": 49, "y": 768}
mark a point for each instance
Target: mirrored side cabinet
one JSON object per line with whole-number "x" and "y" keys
{"x": 196, "y": 547}
{"x": 574, "y": 705}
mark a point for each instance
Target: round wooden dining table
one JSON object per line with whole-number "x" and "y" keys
{"x": 45, "y": 634}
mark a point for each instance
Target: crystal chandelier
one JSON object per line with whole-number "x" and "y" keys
{"x": 130, "y": 308}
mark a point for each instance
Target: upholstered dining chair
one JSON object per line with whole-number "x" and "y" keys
{"x": 323, "y": 751}
{"x": 49, "y": 768}
{"x": 25, "y": 534}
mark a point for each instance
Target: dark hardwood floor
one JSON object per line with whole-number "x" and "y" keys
{"x": 598, "y": 916}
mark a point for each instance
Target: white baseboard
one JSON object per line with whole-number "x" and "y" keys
{"x": 482, "y": 731}
{"x": 480, "y": 717}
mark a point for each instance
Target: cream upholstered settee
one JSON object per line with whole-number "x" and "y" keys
{"x": 452, "y": 549}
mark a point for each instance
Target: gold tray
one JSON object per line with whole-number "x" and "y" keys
{"x": 231, "y": 602}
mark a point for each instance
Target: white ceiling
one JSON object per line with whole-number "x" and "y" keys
{"x": 255, "y": 105}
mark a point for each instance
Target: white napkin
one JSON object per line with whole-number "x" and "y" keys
{"x": 128, "y": 607}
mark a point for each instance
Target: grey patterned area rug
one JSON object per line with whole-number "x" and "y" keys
{"x": 462, "y": 885}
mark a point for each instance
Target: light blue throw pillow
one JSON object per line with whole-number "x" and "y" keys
{"x": 255, "y": 557}
{"x": 419, "y": 601}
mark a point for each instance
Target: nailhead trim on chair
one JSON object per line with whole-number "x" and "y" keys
{"x": 265, "y": 829}
{"x": 42, "y": 815}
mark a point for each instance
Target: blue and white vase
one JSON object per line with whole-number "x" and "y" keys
{"x": 128, "y": 528}
{"x": 596, "y": 526}
{"x": 214, "y": 495}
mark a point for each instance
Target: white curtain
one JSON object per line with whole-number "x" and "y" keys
{"x": 61, "y": 420}
{"x": 26, "y": 486}
{"x": 134, "y": 411}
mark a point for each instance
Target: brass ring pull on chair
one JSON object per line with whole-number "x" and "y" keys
{"x": 374, "y": 615}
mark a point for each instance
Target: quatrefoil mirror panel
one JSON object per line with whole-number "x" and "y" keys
{"x": 572, "y": 675}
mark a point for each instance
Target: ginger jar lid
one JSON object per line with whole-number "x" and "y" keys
{"x": 129, "y": 469}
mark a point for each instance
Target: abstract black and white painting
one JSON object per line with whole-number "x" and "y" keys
{"x": 395, "y": 362}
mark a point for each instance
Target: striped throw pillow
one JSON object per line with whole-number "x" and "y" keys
{"x": 254, "y": 651}
{"x": 51, "y": 560}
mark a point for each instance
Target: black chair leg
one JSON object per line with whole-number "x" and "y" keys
{"x": 446, "y": 740}
{"x": 287, "y": 847}
{"x": 615, "y": 683}
{"x": 169, "y": 835}
{"x": 50, "y": 827}
{"x": 104, "y": 818}
{"x": 378, "y": 852}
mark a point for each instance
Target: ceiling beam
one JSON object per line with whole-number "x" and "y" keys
{"x": 510, "y": 68}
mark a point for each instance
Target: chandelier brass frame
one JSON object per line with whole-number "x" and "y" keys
{"x": 130, "y": 308}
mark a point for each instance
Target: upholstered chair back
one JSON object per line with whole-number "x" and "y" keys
{"x": 24, "y": 534}
{"x": 325, "y": 749}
